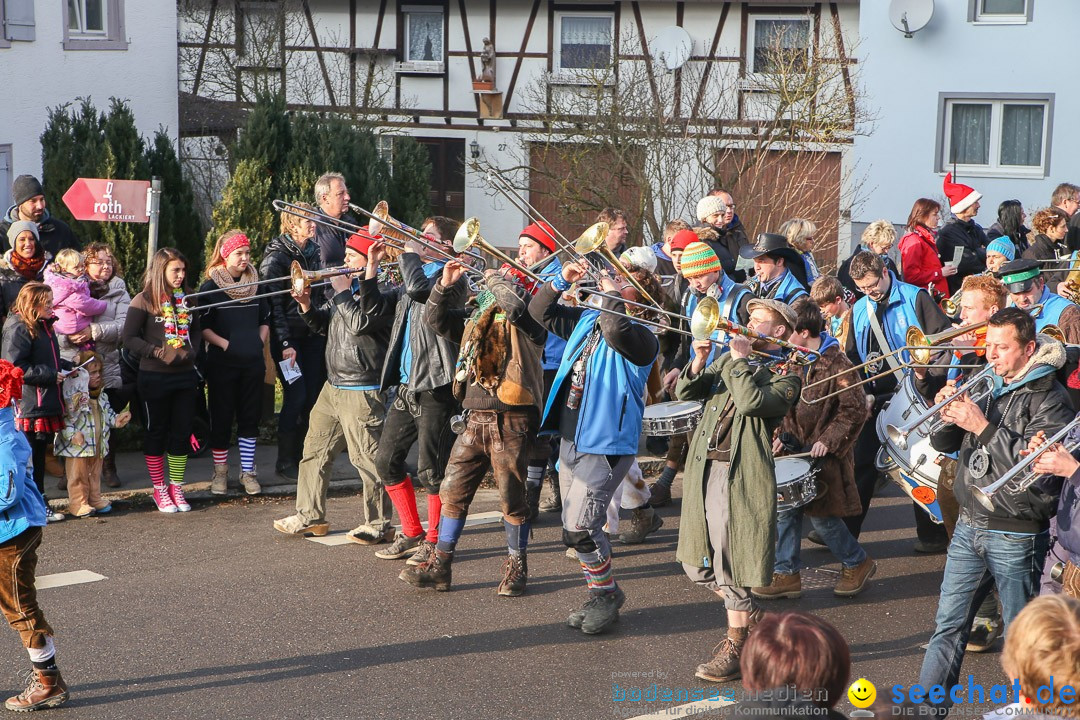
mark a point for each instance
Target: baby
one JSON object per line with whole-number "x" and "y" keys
{"x": 72, "y": 304}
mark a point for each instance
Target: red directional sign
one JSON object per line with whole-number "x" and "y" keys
{"x": 108, "y": 200}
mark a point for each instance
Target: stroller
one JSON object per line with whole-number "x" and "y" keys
{"x": 200, "y": 429}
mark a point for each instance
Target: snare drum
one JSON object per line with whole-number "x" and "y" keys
{"x": 917, "y": 468}
{"x": 795, "y": 484}
{"x": 671, "y": 418}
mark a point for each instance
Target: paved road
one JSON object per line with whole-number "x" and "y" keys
{"x": 213, "y": 614}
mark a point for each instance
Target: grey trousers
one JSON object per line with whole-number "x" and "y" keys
{"x": 352, "y": 418}
{"x": 587, "y": 483}
{"x": 717, "y": 577}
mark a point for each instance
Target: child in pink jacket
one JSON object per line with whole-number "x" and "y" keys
{"x": 72, "y": 304}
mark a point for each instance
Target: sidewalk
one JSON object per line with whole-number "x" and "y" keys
{"x": 137, "y": 490}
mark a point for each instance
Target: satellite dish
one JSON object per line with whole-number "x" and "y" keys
{"x": 910, "y": 16}
{"x": 671, "y": 47}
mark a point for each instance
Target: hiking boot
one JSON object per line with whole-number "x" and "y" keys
{"x": 782, "y": 586}
{"x": 435, "y": 573}
{"x": 853, "y": 580}
{"x": 250, "y": 483}
{"x": 403, "y": 545}
{"x": 984, "y": 631}
{"x": 661, "y": 495}
{"x": 424, "y": 552}
{"x": 176, "y": 492}
{"x": 44, "y": 689}
{"x": 532, "y": 502}
{"x": 643, "y": 522}
{"x": 219, "y": 482}
{"x": 295, "y": 525}
{"x": 515, "y": 575}
{"x": 367, "y": 535}
{"x": 163, "y": 500}
{"x": 725, "y": 663}
{"x": 552, "y": 503}
{"x": 599, "y": 612}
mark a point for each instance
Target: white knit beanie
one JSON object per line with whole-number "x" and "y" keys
{"x": 710, "y": 205}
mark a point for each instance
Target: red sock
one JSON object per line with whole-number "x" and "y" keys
{"x": 404, "y": 498}
{"x": 155, "y": 464}
{"x": 434, "y": 507}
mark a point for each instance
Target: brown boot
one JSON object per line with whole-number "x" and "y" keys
{"x": 433, "y": 574}
{"x": 783, "y": 586}
{"x": 725, "y": 663}
{"x": 44, "y": 689}
{"x": 515, "y": 575}
{"x": 108, "y": 470}
{"x": 853, "y": 580}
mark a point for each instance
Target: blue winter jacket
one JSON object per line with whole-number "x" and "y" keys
{"x": 21, "y": 505}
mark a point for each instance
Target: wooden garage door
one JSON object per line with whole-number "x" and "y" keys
{"x": 773, "y": 186}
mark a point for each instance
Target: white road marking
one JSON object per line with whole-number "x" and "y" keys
{"x": 67, "y": 578}
{"x": 340, "y": 537}
{"x": 693, "y": 709}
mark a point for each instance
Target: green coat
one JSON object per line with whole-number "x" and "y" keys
{"x": 762, "y": 399}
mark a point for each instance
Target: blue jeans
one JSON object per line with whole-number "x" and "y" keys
{"x": 977, "y": 560}
{"x": 831, "y": 529}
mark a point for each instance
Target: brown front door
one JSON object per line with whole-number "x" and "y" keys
{"x": 447, "y": 192}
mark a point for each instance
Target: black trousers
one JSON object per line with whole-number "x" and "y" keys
{"x": 39, "y": 444}
{"x": 233, "y": 393}
{"x": 299, "y": 397}
{"x": 169, "y": 401}
{"x": 423, "y": 418}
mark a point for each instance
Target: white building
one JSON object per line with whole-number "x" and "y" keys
{"x": 423, "y": 56}
{"x": 54, "y": 52}
{"x": 983, "y": 86}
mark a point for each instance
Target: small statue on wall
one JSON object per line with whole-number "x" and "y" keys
{"x": 487, "y": 64}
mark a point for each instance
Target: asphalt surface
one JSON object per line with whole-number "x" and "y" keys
{"x": 213, "y": 614}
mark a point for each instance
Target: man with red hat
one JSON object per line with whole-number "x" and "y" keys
{"x": 962, "y": 232}
{"x": 351, "y": 406}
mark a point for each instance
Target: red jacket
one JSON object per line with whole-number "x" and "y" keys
{"x": 919, "y": 261}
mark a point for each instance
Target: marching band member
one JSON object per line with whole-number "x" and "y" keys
{"x": 1027, "y": 287}
{"x": 607, "y": 361}
{"x": 421, "y": 364}
{"x": 828, "y": 293}
{"x": 500, "y": 384}
{"x": 706, "y": 278}
{"x": 779, "y": 271}
{"x": 1000, "y": 251}
{"x": 829, "y": 429}
{"x": 880, "y": 320}
{"x": 671, "y": 280}
{"x": 1006, "y": 545}
{"x": 727, "y": 529}
{"x": 1062, "y": 567}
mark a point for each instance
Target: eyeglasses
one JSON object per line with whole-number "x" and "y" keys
{"x": 108, "y": 263}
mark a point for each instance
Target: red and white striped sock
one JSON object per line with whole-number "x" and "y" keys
{"x": 221, "y": 457}
{"x": 155, "y": 464}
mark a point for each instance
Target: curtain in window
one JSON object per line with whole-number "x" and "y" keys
{"x": 1022, "y": 135}
{"x": 425, "y": 37}
{"x": 781, "y": 41}
{"x": 970, "y": 143}
{"x": 1004, "y": 7}
{"x": 585, "y": 42}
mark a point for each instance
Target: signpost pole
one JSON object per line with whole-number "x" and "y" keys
{"x": 153, "y": 202}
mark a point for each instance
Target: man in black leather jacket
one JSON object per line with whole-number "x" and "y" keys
{"x": 350, "y": 408}
{"x": 1006, "y": 545}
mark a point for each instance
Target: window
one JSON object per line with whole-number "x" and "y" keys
{"x": 5, "y": 175}
{"x": 1000, "y": 11}
{"x": 584, "y": 41}
{"x": 94, "y": 25}
{"x": 996, "y": 136}
{"x": 778, "y": 43}
{"x": 422, "y": 30}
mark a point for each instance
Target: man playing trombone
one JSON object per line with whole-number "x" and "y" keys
{"x": 1005, "y": 545}
{"x": 727, "y": 529}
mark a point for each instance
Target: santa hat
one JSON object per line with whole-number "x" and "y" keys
{"x": 961, "y": 197}
{"x": 540, "y": 233}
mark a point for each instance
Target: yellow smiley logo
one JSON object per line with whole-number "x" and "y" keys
{"x": 862, "y": 693}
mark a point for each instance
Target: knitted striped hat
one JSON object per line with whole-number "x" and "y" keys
{"x": 698, "y": 259}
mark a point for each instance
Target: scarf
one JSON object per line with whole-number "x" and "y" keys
{"x": 28, "y": 268}
{"x": 99, "y": 288}
{"x": 225, "y": 281}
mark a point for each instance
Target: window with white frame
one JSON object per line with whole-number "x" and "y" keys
{"x": 1000, "y": 11}
{"x": 584, "y": 41}
{"x": 1002, "y": 136}
{"x": 94, "y": 25}
{"x": 423, "y": 26}
{"x": 778, "y": 43}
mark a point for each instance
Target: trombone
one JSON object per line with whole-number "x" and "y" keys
{"x": 299, "y": 281}
{"x": 899, "y": 434}
{"x": 986, "y": 495}
{"x": 468, "y": 236}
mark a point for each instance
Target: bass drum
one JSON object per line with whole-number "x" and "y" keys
{"x": 916, "y": 469}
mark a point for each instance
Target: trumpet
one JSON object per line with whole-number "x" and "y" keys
{"x": 1023, "y": 470}
{"x": 972, "y": 388}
